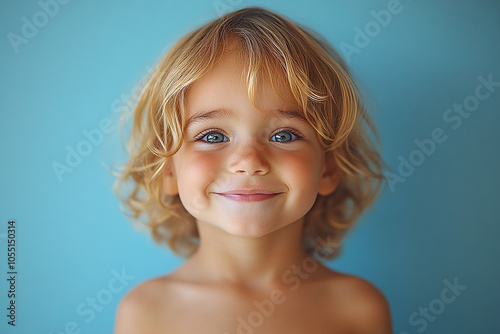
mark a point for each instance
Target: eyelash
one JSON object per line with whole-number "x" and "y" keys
{"x": 297, "y": 135}
{"x": 204, "y": 133}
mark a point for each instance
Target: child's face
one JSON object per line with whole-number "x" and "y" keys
{"x": 246, "y": 171}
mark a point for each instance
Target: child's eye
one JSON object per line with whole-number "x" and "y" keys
{"x": 285, "y": 136}
{"x": 212, "y": 136}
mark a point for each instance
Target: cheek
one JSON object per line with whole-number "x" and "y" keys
{"x": 194, "y": 174}
{"x": 303, "y": 171}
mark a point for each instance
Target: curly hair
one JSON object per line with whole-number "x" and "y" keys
{"x": 287, "y": 54}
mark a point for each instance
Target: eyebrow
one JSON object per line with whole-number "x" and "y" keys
{"x": 203, "y": 115}
{"x": 222, "y": 113}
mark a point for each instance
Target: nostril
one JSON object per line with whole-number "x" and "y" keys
{"x": 249, "y": 164}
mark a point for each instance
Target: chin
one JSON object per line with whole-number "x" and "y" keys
{"x": 250, "y": 230}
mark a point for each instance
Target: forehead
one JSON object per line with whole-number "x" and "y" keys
{"x": 228, "y": 85}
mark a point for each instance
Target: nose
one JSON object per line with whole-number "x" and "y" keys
{"x": 249, "y": 159}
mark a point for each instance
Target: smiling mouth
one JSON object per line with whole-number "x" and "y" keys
{"x": 248, "y": 195}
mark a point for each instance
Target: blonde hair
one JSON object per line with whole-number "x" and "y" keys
{"x": 287, "y": 54}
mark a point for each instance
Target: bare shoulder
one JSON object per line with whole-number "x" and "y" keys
{"x": 364, "y": 306}
{"x": 137, "y": 309}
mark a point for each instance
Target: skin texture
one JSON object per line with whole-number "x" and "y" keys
{"x": 249, "y": 176}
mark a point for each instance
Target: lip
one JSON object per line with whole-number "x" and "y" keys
{"x": 248, "y": 195}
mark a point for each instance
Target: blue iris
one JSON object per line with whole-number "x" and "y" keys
{"x": 215, "y": 137}
{"x": 282, "y": 137}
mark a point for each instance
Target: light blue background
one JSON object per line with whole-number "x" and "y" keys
{"x": 441, "y": 223}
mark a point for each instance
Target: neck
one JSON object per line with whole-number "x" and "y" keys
{"x": 249, "y": 261}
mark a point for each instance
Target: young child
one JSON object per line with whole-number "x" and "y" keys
{"x": 250, "y": 157}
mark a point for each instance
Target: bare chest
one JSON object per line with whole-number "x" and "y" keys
{"x": 276, "y": 311}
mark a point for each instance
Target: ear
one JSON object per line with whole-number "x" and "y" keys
{"x": 170, "y": 179}
{"x": 331, "y": 176}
